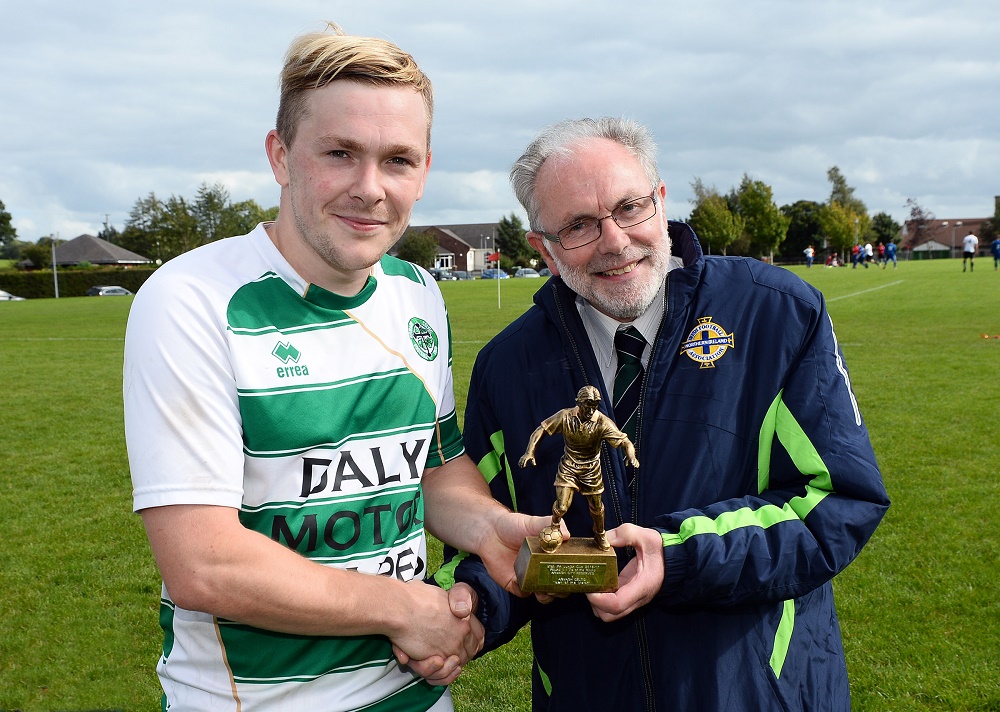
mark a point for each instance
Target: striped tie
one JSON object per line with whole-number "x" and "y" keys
{"x": 628, "y": 379}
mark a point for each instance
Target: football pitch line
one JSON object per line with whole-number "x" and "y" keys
{"x": 864, "y": 291}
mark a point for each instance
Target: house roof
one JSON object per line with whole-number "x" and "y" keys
{"x": 947, "y": 233}
{"x": 930, "y": 246}
{"x": 476, "y": 235}
{"x": 87, "y": 248}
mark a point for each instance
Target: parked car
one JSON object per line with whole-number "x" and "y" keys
{"x": 442, "y": 275}
{"x": 108, "y": 291}
{"x": 545, "y": 272}
{"x": 527, "y": 272}
{"x": 8, "y": 297}
{"x": 495, "y": 274}
{"x": 461, "y": 275}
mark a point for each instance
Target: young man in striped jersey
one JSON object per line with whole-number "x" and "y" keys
{"x": 288, "y": 402}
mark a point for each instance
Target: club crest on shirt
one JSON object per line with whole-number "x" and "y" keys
{"x": 707, "y": 343}
{"x": 423, "y": 338}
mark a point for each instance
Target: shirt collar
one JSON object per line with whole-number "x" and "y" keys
{"x": 601, "y": 328}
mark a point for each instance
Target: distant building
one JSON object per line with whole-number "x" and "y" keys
{"x": 460, "y": 247}
{"x": 87, "y": 248}
{"x": 943, "y": 238}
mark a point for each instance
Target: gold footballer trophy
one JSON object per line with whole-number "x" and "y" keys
{"x": 546, "y": 563}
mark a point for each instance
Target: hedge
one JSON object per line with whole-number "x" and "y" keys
{"x": 38, "y": 284}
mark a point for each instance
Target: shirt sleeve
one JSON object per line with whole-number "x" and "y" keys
{"x": 820, "y": 497}
{"x": 447, "y": 441}
{"x": 182, "y": 423}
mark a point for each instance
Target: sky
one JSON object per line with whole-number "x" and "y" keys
{"x": 103, "y": 103}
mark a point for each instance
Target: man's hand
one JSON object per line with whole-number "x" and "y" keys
{"x": 501, "y": 542}
{"x": 435, "y": 633}
{"x": 212, "y": 563}
{"x": 640, "y": 580}
{"x": 437, "y": 670}
{"x": 460, "y": 510}
{"x": 526, "y": 459}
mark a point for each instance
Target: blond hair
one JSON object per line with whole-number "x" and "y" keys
{"x": 316, "y": 59}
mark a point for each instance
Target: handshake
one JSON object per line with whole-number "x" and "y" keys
{"x": 451, "y": 634}
{"x": 442, "y": 632}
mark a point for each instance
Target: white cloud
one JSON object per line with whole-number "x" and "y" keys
{"x": 106, "y": 103}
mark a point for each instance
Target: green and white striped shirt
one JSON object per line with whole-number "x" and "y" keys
{"x": 314, "y": 415}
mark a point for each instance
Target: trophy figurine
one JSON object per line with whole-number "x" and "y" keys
{"x": 546, "y": 563}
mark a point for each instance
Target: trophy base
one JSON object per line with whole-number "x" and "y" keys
{"x": 579, "y": 565}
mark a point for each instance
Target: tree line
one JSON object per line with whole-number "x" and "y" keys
{"x": 156, "y": 229}
{"x": 744, "y": 221}
{"x": 162, "y": 229}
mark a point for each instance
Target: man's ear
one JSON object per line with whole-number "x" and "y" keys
{"x": 536, "y": 240}
{"x": 277, "y": 155}
{"x": 423, "y": 178}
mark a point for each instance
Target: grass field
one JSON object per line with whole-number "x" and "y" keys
{"x": 920, "y": 608}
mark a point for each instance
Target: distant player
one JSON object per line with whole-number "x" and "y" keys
{"x": 970, "y": 244}
{"x": 890, "y": 254}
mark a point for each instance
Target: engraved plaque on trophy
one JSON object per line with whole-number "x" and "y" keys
{"x": 578, "y": 565}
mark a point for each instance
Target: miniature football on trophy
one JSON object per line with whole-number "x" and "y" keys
{"x": 547, "y": 563}
{"x": 550, "y": 538}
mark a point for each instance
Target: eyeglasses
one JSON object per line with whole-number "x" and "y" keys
{"x": 586, "y": 230}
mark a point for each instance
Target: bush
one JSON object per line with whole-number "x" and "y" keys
{"x": 72, "y": 282}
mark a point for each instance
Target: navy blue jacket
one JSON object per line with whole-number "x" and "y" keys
{"x": 755, "y": 466}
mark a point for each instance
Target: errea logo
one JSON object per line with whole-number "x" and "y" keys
{"x": 285, "y": 352}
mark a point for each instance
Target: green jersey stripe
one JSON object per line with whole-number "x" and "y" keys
{"x": 343, "y": 531}
{"x": 415, "y": 539}
{"x": 416, "y": 427}
{"x": 308, "y": 656}
{"x": 395, "y": 267}
{"x": 378, "y": 405}
{"x": 167, "y": 624}
{"x": 273, "y": 329}
{"x": 268, "y": 305}
{"x": 324, "y": 502}
{"x": 420, "y": 695}
{"x": 305, "y": 388}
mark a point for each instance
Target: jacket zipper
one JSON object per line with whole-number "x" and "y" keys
{"x": 639, "y": 617}
{"x": 642, "y": 395}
